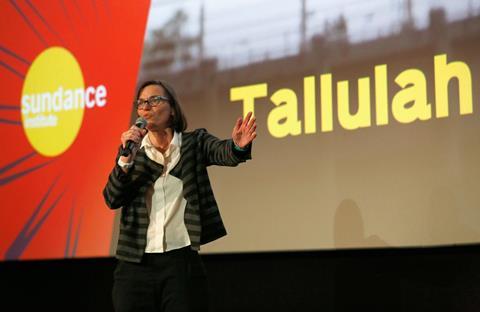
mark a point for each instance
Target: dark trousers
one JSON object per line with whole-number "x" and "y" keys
{"x": 167, "y": 282}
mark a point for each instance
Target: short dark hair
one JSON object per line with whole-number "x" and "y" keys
{"x": 179, "y": 122}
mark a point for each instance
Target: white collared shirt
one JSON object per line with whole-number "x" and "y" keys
{"x": 165, "y": 202}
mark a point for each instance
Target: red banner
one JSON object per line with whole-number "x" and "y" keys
{"x": 68, "y": 77}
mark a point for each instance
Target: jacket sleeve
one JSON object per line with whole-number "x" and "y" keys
{"x": 221, "y": 152}
{"x": 119, "y": 187}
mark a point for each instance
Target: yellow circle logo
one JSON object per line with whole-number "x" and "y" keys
{"x": 53, "y": 101}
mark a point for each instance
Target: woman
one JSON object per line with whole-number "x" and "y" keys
{"x": 168, "y": 207}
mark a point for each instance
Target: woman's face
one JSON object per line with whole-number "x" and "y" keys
{"x": 159, "y": 117}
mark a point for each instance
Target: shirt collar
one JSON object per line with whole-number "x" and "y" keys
{"x": 174, "y": 144}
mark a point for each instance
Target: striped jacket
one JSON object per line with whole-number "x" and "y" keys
{"x": 202, "y": 218}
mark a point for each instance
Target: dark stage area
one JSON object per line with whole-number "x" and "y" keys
{"x": 407, "y": 279}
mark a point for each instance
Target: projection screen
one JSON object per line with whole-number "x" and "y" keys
{"x": 367, "y": 113}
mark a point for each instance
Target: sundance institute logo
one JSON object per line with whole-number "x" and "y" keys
{"x": 54, "y": 98}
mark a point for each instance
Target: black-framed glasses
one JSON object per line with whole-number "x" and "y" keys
{"x": 151, "y": 101}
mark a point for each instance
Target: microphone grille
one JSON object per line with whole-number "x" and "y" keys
{"x": 141, "y": 122}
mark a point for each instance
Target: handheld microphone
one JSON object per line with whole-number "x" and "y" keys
{"x": 130, "y": 145}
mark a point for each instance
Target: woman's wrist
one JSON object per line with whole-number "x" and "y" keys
{"x": 125, "y": 162}
{"x": 238, "y": 148}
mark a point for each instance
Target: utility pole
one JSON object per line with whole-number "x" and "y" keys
{"x": 202, "y": 33}
{"x": 303, "y": 26}
{"x": 409, "y": 22}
